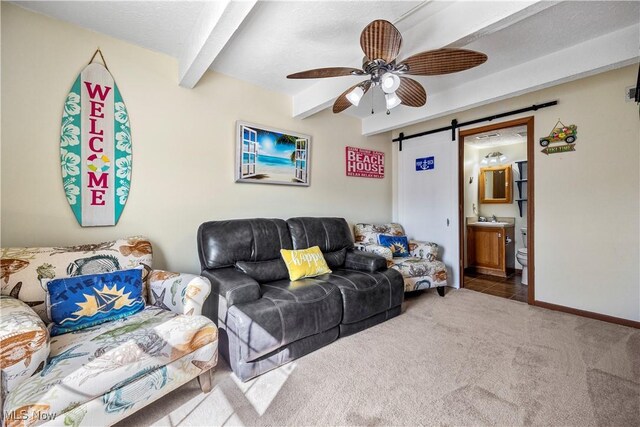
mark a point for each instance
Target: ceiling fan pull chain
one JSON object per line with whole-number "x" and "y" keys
{"x": 372, "y": 112}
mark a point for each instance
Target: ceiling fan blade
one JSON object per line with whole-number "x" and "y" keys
{"x": 319, "y": 73}
{"x": 381, "y": 40}
{"x": 411, "y": 92}
{"x": 443, "y": 61}
{"x": 342, "y": 103}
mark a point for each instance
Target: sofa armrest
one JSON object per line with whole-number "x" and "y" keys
{"x": 233, "y": 285}
{"x": 424, "y": 250}
{"x": 383, "y": 251}
{"x": 24, "y": 340}
{"x": 364, "y": 261}
{"x": 178, "y": 292}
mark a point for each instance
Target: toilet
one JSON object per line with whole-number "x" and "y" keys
{"x": 521, "y": 256}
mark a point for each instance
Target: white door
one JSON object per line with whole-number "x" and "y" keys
{"x": 427, "y": 195}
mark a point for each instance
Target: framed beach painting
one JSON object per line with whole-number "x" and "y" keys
{"x": 266, "y": 155}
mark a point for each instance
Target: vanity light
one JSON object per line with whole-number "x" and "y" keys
{"x": 494, "y": 158}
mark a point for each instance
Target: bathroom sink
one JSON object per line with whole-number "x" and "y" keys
{"x": 490, "y": 224}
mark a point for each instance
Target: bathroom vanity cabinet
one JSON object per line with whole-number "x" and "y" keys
{"x": 491, "y": 248}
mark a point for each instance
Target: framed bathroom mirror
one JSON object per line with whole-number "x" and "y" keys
{"x": 495, "y": 184}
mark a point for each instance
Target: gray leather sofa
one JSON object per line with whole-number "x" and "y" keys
{"x": 264, "y": 319}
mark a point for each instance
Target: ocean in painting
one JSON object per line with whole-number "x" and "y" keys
{"x": 275, "y": 166}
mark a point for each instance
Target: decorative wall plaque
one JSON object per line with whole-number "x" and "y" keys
{"x": 95, "y": 147}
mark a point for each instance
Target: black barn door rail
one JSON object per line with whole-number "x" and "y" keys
{"x": 454, "y": 123}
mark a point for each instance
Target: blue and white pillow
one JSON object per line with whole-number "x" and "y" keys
{"x": 80, "y": 302}
{"x": 399, "y": 245}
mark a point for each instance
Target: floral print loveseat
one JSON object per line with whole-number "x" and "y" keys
{"x": 98, "y": 375}
{"x": 421, "y": 270}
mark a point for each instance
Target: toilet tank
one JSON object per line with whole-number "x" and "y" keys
{"x": 523, "y": 231}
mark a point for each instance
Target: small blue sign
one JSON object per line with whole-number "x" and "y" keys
{"x": 425, "y": 164}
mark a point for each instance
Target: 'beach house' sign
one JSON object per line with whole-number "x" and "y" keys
{"x": 95, "y": 148}
{"x": 364, "y": 163}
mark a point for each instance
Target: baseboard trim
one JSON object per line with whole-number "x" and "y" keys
{"x": 590, "y": 314}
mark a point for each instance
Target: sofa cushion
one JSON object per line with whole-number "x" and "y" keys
{"x": 24, "y": 342}
{"x": 366, "y": 294}
{"x": 364, "y": 261}
{"x": 23, "y": 268}
{"x": 264, "y": 271}
{"x": 335, "y": 259}
{"x": 88, "y": 363}
{"x": 287, "y": 312}
{"x": 303, "y": 263}
{"x": 330, "y": 234}
{"x": 368, "y": 233}
{"x": 421, "y": 273}
{"x": 232, "y": 285}
{"x": 81, "y": 302}
{"x": 224, "y": 243}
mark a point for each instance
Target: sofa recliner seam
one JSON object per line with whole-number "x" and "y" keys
{"x": 302, "y": 302}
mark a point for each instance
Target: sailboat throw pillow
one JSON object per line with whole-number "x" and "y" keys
{"x": 80, "y": 302}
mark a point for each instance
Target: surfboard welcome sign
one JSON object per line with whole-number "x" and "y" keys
{"x": 95, "y": 148}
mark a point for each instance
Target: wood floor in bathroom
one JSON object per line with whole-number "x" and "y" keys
{"x": 504, "y": 287}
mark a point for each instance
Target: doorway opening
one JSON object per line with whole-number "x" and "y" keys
{"x": 496, "y": 209}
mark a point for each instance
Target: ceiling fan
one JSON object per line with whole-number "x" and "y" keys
{"x": 381, "y": 41}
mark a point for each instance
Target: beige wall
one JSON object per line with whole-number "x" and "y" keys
{"x": 183, "y": 146}
{"x": 587, "y": 235}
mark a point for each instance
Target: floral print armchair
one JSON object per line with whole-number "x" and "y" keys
{"x": 101, "y": 374}
{"x": 421, "y": 270}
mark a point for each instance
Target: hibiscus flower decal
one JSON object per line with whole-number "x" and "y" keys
{"x": 69, "y": 133}
{"x": 123, "y": 140}
{"x": 123, "y": 167}
{"x": 121, "y": 113}
{"x": 69, "y": 162}
{"x": 123, "y": 191}
{"x": 71, "y": 190}
{"x": 72, "y": 104}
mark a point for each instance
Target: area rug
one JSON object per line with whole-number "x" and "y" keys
{"x": 465, "y": 359}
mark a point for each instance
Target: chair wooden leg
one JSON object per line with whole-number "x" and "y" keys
{"x": 204, "y": 379}
{"x": 440, "y": 290}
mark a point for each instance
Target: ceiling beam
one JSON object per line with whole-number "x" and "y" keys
{"x": 214, "y": 28}
{"x": 455, "y": 26}
{"x": 614, "y": 50}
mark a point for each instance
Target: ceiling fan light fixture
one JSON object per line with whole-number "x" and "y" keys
{"x": 392, "y": 100}
{"x": 355, "y": 95}
{"x": 390, "y": 83}
{"x": 380, "y": 41}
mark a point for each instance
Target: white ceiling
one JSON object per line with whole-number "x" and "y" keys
{"x": 162, "y": 26}
{"x": 281, "y": 38}
{"x": 497, "y": 138}
{"x": 530, "y": 44}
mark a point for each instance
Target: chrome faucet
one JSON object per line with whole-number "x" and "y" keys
{"x": 493, "y": 218}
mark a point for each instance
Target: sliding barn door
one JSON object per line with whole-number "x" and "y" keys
{"x": 427, "y": 195}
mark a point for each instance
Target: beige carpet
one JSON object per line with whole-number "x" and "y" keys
{"x": 466, "y": 359}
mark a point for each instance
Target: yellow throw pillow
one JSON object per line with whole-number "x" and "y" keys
{"x": 305, "y": 263}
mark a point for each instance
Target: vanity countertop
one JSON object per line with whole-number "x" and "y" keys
{"x": 491, "y": 224}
